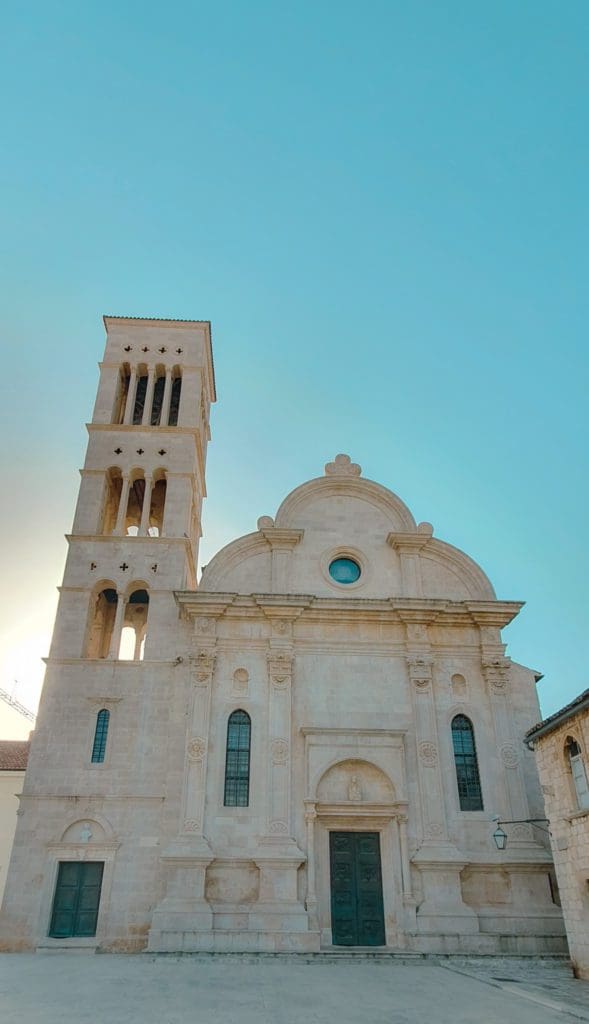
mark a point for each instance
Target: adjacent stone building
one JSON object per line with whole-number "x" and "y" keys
{"x": 305, "y": 749}
{"x": 561, "y": 745}
{"x": 13, "y": 765}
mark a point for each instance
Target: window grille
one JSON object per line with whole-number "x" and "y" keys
{"x": 237, "y": 761}
{"x": 100, "y": 734}
{"x": 467, "y": 769}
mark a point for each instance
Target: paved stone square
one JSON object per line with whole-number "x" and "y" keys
{"x": 63, "y": 988}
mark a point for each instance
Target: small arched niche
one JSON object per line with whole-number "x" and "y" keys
{"x": 355, "y": 782}
{"x": 84, "y": 831}
{"x": 458, "y": 686}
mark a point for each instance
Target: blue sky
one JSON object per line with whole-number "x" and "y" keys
{"x": 381, "y": 207}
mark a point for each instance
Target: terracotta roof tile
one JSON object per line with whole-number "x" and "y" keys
{"x": 14, "y": 755}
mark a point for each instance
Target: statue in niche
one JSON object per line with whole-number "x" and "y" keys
{"x": 85, "y": 833}
{"x": 354, "y": 790}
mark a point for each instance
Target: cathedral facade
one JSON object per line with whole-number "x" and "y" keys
{"x": 306, "y": 749}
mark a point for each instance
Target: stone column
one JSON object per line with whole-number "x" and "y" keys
{"x": 311, "y": 902}
{"x": 443, "y": 910}
{"x": 282, "y": 543}
{"x": 428, "y": 767}
{"x": 279, "y": 731}
{"x": 184, "y": 919}
{"x": 404, "y": 851}
{"x": 408, "y": 547}
{"x": 130, "y": 403}
{"x": 146, "y": 507}
{"x": 115, "y": 640}
{"x": 122, "y": 509}
{"x": 197, "y": 741}
{"x": 165, "y": 413}
{"x": 146, "y": 418}
{"x": 496, "y": 672}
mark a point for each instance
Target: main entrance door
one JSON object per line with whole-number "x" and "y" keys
{"x": 77, "y": 897}
{"x": 357, "y": 915}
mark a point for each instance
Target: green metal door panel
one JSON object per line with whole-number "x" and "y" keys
{"x": 77, "y": 898}
{"x": 369, "y": 890}
{"x": 343, "y": 888}
{"x": 357, "y": 914}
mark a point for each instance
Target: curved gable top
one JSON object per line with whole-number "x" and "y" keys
{"x": 358, "y": 487}
{"x": 338, "y": 513}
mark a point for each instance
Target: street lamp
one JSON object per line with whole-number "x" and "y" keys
{"x": 500, "y": 836}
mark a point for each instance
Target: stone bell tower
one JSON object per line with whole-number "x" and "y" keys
{"x": 98, "y": 761}
{"x": 137, "y": 525}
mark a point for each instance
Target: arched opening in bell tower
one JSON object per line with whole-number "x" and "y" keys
{"x": 134, "y": 631}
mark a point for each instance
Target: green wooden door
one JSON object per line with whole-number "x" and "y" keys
{"x": 357, "y": 913}
{"x": 77, "y": 896}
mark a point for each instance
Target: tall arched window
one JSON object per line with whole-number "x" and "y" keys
{"x": 237, "y": 761}
{"x": 467, "y": 769}
{"x": 577, "y": 767}
{"x": 175, "y": 397}
{"x": 100, "y": 735}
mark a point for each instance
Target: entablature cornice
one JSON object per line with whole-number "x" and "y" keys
{"x": 281, "y": 538}
{"x": 411, "y": 543}
{"x": 426, "y": 611}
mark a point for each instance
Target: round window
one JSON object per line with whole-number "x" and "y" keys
{"x": 344, "y": 570}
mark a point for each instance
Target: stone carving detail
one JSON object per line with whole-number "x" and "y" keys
{"x": 240, "y": 682}
{"x": 204, "y": 624}
{"x": 196, "y": 748}
{"x": 205, "y": 663}
{"x": 509, "y": 755}
{"x": 496, "y": 672}
{"x": 280, "y": 668}
{"x": 191, "y": 825}
{"x": 417, "y": 632}
{"x": 420, "y": 670}
{"x": 278, "y": 828}
{"x": 279, "y": 751}
{"x": 434, "y": 830}
{"x": 354, "y": 790}
{"x": 521, "y": 832}
{"x": 428, "y": 753}
{"x": 265, "y": 522}
{"x": 281, "y": 627}
{"x": 342, "y": 465}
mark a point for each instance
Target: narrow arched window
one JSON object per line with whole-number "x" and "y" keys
{"x": 175, "y": 398}
{"x": 467, "y": 769}
{"x": 237, "y": 761}
{"x": 100, "y": 735}
{"x": 578, "y": 773}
